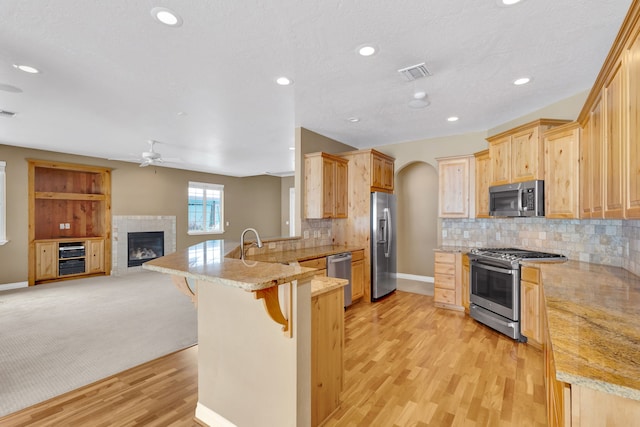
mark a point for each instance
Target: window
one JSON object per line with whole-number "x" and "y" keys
{"x": 3, "y": 205}
{"x": 206, "y": 208}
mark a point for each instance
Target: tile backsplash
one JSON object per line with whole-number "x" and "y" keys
{"x": 599, "y": 241}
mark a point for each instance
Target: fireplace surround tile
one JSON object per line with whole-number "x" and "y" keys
{"x": 124, "y": 224}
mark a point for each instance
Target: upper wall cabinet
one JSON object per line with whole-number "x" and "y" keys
{"x": 610, "y": 120}
{"x": 483, "y": 178}
{"x": 517, "y": 155}
{"x": 562, "y": 171}
{"x": 632, "y": 74}
{"x": 456, "y": 187}
{"x": 382, "y": 170}
{"x": 326, "y": 186}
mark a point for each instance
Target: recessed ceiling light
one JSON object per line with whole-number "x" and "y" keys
{"x": 166, "y": 16}
{"x": 353, "y": 119}
{"x": 26, "y": 68}
{"x": 284, "y": 81}
{"x": 292, "y": 148}
{"x": 509, "y": 2}
{"x": 366, "y": 50}
{"x": 521, "y": 81}
{"x": 453, "y": 119}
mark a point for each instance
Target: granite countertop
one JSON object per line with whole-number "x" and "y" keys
{"x": 322, "y": 284}
{"x": 206, "y": 261}
{"x": 593, "y": 314}
{"x": 299, "y": 255}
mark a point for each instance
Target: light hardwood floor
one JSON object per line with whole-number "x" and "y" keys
{"x": 407, "y": 364}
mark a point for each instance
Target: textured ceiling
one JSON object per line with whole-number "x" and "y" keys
{"x": 112, "y": 77}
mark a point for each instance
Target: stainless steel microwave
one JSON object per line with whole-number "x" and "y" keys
{"x": 519, "y": 199}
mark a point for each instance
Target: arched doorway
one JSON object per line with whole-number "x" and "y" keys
{"x": 417, "y": 191}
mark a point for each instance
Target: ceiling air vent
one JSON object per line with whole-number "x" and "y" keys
{"x": 415, "y": 72}
{"x": 7, "y": 114}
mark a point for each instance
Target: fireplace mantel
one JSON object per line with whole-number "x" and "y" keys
{"x": 124, "y": 224}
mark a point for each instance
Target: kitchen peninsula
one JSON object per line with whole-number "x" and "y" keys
{"x": 249, "y": 371}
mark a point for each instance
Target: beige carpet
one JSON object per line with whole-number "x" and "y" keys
{"x": 60, "y": 336}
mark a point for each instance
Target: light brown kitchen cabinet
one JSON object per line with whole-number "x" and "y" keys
{"x": 318, "y": 263}
{"x": 327, "y": 347}
{"x": 483, "y": 180}
{"x": 382, "y": 172}
{"x": 632, "y": 180}
{"x": 95, "y": 256}
{"x": 562, "y": 171}
{"x": 465, "y": 280}
{"x": 46, "y": 260}
{"x": 447, "y": 280}
{"x": 517, "y": 155}
{"x": 592, "y": 163}
{"x": 69, "y": 204}
{"x": 357, "y": 275}
{"x": 326, "y": 186}
{"x": 530, "y": 321}
{"x": 614, "y": 146}
{"x": 456, "y": 187}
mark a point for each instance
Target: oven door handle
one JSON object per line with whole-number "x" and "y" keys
{"x": 496, "y": 269}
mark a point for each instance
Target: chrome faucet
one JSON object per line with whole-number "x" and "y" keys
{"x": 258, "y": 243}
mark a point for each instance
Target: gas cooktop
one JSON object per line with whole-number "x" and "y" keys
{"x": 516, "y": 254}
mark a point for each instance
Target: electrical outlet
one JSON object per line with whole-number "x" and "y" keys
{"x": 272, "y": 245}
{"x": 227, "y": 223}
{"x": 306, "y": 234}
{"x": 61, "y": 226}
{"x": 67, "y": 226}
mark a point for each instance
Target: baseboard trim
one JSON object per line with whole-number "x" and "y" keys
{"x": 414, "y": 277}
{"x": 207, "y": 417}
{"x": 16, "y": 285}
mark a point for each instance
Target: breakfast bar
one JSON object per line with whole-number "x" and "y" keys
{"x": 254, "y": 340}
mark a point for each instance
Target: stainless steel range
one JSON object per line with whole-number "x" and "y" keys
{"x": 495, "y": 286}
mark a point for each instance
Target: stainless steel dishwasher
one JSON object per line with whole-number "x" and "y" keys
{"x": 339, "y": 265}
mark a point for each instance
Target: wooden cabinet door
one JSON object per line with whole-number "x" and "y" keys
{"x": 500, "y": 154}
{"x": 585, "y": 171}
{"x": 328, "y": 187}
{"x": 562, "y": 177}
{"x": 483, "y": 177}
{"x": 526, "y": 156}
{"x": 530, "y": 305}
{"x": 46, "y": 260}
{"x": 596, "y": 159}
{"x": 614, "y": 119}
{"x": 632, "y": 178}
{"x": 357, "y": 279}
{"x": 95, "y": 256}
{"x": 466, "y": 272}
{"x": 387, "y": 174}
{"x": 377, "y": 174}
{"x": 327, "y": 346}
{"x": 453, "y": 201}
{"x": 341, "y": 190}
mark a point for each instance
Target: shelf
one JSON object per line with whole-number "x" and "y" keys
{"x": 49, "y": 195}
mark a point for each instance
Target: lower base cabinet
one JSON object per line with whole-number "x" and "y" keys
{"x": 447, "y": 291}
{"x": 530, "y": 299}
{"x": 327, "y": 345}
{"x": 357, "y": 275}
{"x": 68, "y": 258}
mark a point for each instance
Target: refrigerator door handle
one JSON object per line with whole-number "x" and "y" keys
{"x": 387, "y": 216}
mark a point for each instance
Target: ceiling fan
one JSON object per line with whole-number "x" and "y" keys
{"x": 150, "y": 157}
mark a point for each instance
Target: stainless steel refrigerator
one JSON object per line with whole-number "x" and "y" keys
{"x": 383, "y": 245}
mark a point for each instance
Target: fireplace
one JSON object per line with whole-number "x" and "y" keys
{"x": 144, "y": 246}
